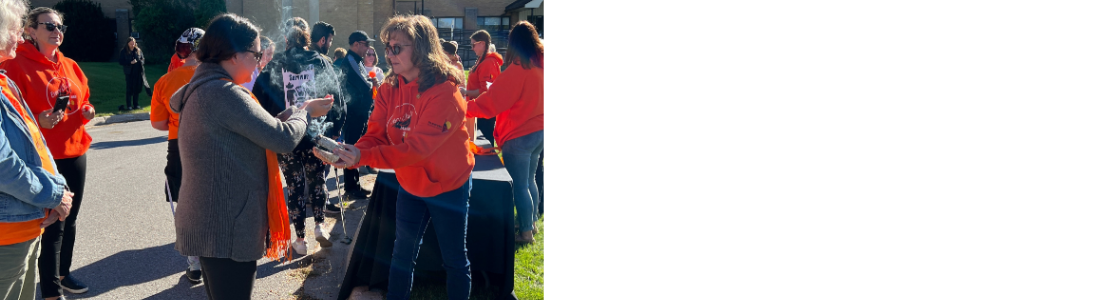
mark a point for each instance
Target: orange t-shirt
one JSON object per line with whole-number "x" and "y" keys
{"x": 162, "y": 92}
{"x": 18, "y": 232}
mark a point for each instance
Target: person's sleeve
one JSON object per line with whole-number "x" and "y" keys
{"x": 87, "y": 101}
{"x": 158, "y": 110}
{"x": 376, "y": 132}
{"x": 244, "y": 116}
{"x": 339, "y": 112}
{"x": 31, "y": 184}
{"x": 259, "y": 89}
{"x": 123, "y": 57}
{"x": 492, "y": 102}
{"x": 428, "y": 134}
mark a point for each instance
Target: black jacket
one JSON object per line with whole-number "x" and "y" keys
{"x": 357, "y": 89}
{"x": 295, "y": 66}
{"x": 124, "y": 58}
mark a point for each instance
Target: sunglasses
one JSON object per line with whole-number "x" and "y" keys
{"x": 395, "y": 49}
{"x": 51, "y": 26}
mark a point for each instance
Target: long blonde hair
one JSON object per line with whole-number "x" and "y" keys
{"x": 11, "y": 18}
{"x": 427, "y": 54}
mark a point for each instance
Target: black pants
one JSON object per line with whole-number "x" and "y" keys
{"x": 486, "y": 126}
{"x": 173, "y": 171}
{"x": 353, "y": 130}
{"x": 134, "y": 84}
{"x": 228, "y": 279}
{"x": 57, "y": 241}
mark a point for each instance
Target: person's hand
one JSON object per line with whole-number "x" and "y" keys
{"x": 318, "y": 107}
{"x": 134, "y": 61}
{"x": 66, "y": 204}
{"x": 89, "y": 112}
{"x": 462, "y": 91}
{"x": 48, "y": 119}
{"x": 349, "y": 155}
{"x": 374, "y": 82}
{"x": 51, "y": 217}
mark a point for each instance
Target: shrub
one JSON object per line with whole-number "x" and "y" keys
{"x": 91, "y": 35}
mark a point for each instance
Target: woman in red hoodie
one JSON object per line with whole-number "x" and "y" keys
{"x": 517, "y": 100}
{"x": 417, "y": 129}
{"x": 46, "y": 77}
{"x": 482, "y": 74}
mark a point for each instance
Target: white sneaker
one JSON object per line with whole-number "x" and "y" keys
{"x": 301, "y": 247}
{"x": 321, "y": 238}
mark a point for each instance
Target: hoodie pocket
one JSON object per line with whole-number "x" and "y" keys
{"x": 249, "y": 227}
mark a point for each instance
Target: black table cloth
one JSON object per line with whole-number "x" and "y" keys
{"x": 490, "y": 234}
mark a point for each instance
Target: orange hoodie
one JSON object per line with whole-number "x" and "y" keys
{"x": 40, "y": 79}
{"x": 162, "y": 91}
{"x": 419, "y": 135}
{"x": 516, "y": 98}
{"x": 487, "y": 71}
{"x": 175, "y": 62}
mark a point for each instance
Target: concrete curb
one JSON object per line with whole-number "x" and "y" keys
{"x": 99, "y": 121}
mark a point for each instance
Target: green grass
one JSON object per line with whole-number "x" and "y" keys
{"x": 108, "y": 86}
{"x": 528, "y": 276}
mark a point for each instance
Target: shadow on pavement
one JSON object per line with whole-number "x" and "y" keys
{"x": 118, "y": 144}
{"x": 182, "y": 290}
{"x": 130, "y": 267}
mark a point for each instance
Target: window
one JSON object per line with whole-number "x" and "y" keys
{"x": 493, "y": 24}
{"x": 447, "y": 22}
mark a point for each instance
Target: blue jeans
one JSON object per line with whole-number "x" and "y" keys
{"x": 521, "y": 158}
{"x": 448, "y": 211}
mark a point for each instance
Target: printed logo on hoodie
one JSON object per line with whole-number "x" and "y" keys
{"x": 402, "y": 119}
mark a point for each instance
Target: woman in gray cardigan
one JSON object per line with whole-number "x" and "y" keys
{"x": 224, "y": 136}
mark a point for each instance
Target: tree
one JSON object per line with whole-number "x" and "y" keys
{"x": 160, "y": 23}
{"x": 90, "y": 34}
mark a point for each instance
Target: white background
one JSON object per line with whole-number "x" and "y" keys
{"x": 823, "y": 150}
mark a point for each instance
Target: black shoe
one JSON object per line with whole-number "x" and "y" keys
{"x": 73, "y": 285}
{"x": 194, "y": 276}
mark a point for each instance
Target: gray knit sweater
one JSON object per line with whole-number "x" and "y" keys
{"x": 223, "y": 132}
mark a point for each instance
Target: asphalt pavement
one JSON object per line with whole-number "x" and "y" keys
{"x": 125, "y": 235}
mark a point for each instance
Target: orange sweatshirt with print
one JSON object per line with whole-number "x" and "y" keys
{"x": 18, "y": 232}
{"x": 40, "y": 80}
{"x": 487, "y": 71}
{"x": 419, "y": 135}
{"x": 162, "y": 91}
{"x": 515, "y": 99}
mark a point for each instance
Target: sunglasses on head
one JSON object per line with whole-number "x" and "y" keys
{"x": 51, "y": 26}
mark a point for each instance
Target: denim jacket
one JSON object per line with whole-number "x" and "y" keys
{"x": 26, "y": 188}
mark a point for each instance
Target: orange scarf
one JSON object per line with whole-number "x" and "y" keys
{"x": 278, "y": 222}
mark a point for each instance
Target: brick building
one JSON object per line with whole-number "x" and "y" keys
{"x": 456, "y": 19}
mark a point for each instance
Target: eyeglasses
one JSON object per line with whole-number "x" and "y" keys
{"x": 51, "y": 26}
{"x": 258, "y": 54}
{"x": 395, "y": 49}
{"x": 371, "y": 54}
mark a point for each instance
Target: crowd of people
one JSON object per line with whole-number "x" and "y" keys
{"x": 242, "y": 119}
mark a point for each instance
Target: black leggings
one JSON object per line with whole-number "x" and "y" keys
{"x": 228, "y": 279}
{"x": 58, "y": 239}
{"x": 305, "y": 184}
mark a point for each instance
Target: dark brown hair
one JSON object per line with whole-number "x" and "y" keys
{"x": 266, "y": 43}
{"x": 227, "y": 35}
{"x": 427, "y": 54}
{"x": 450, "y": 47}
{"x": 524, "y": 45}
